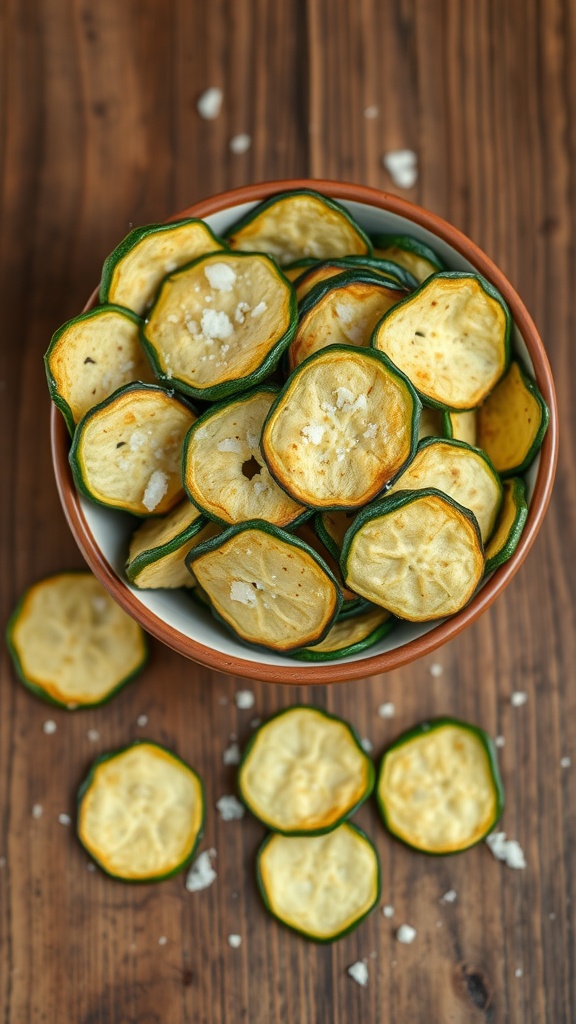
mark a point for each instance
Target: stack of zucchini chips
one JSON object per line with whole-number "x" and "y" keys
{"x": 320, "y": 433}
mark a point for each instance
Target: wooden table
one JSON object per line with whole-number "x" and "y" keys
{"x": 101, "y": 132}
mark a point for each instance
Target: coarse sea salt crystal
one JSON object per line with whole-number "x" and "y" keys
{"x": 387, "y": 710}
{"x": 259, "y": 487}
{"x": 49, "y": 727}
{"x": 243, "y": 593}
{"x": 201, "y": 874}
{"x": 346, "y": 402}
{"x": 406, "y": 934}
{"x": 156, "y": 488}
{"x": 235, "y": 941}
{"x": 507, "y": 850}
{"x": 220, "y": 276}
{"x": 388, "y": 911}
{"x": 37, "y": 811}
{"x": 370, "y": 432}
{"x": 65, "y": 819}
{"x": 230, "y": 444}
{"x": 518, "y": 698}
{"x": 240, "y": 143}
{"x": 259, "y": 309}
{"x": 244, "y": 699}
{"x": 449, "y": 897}
{"x": 359, "y": 973}
{"x": 232, "y": 754}
{"x": 313, "y": 432}
{"x": 366, "y": 745}
{"x": 229, "y": 808}
{"x": 137, "y": 440}
{"x": 216, "y": 324}
{"x": 402, "y": 166}
{"x": 241, "y": 309}
{"x": 209, "y": 103}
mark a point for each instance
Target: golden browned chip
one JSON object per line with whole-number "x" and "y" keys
{"x": 512, "y": 422}
{"x": 158, "y": 548}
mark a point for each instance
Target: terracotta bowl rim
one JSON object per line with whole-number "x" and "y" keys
{"x": 306, "y": 673}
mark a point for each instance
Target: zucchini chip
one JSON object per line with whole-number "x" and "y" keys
{"x": 417, "y": 553}
{"x": 395, "y": 275}
{"x": 268, "y": 587}
{"x": 126, "y": 452}
{"x": 431, "y": 423}
{"x": 350, "y": 635}
{"x": 141, "y": 812}
{"x": 331, "y": 528}
{"x": 319, "y": 886}
{"x": 463, "y": 473}
{"x": 91, "y": 356}
{"x": 220, "y": 324}
{"x": 295, "y": 270}
{"x": 341, "y": 311}
{"x": 297, "y": 225}
{"x": 304, "y": 772}
{"x": 308, "y": 535}
{"x": 439, "y": 789}
{"x": 509, "y": 526}
{"x": 512, "y": 422}
{"x": 408, "y": 252}
{"x": 132, "y": 273}
{"x": 71, "y": 644}
{"x": 461, "y": 426}
{"x": 343, "y": 425}
{"x": 451, "y": 338}
{"x": 223, "y": 470}
{"x": 159, "y": 546}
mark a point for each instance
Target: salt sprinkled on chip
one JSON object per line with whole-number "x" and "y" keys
{"x": 230, "y": 809}
{"x": 216, "y": 324}
{"x": 402, "y": 166}
{"x": 258, "y": 310}
{"x": 240, "y": 143}
{"x": 313, "y": 432}
{"x": 209, "y": 103}
{"x": 244, "y": 699}
{"x": 201, "y": 874}
{"x": 243, "y": 593}
{"x": 220, "y": 276}
{"x": 156, "y": 488}
{"x": 230, "y": 444}
{"x": 359, "y": 973}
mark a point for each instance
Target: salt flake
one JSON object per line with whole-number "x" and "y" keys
{"x": 243, "y": 593}
{"x": 507, "y": 850}
{"x": 209, "y": 103}
{"x": 156, "y": 488}
{"x": 518, "y": 698}
{"x": 49, "y": 727}
{"x": 244, "y": 699}
{"x": 359, "y": 973}
{"x": 402, "y": 166}
{"x": 387, "y": 710}
{"x": 406, "y": 934}
{"x": 240, "y": 143}
{"x": 201, "y": 874}
{"x": 220, "y": 276}
{"x": 232, "y": 754}
{"x": 230, "y": 809}
{"x": 234, "y": 941}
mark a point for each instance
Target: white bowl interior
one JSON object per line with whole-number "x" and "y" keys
{"x": 112, "y": 530}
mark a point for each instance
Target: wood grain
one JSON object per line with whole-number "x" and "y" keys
{"x": 99, "y": 131}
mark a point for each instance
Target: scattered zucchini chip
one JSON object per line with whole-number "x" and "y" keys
{"x": 439, "y": 789}
{"x": 341, "y": 400}
{"x": 417, "y": 553}
{"x": 350, "y": 635}
{"x": 141, "y": 812}
{"x": 408, "y": 252}
{"x": 268, "y": 587}
{"x": 132, "y": 273}
{"x": 91, "y": 356}
{"x": 297, "y": 225}
{"x": 158, "y": 548}
{"x": 126, "y": 452}
{"x": 224, "y": 472}
{"x": 320, "y": 886}
{"x": 331, "y": 528}
{"x": 509, "y": 526}
{"x": 343, "y": 310}
{"x": 463, "y": 473}
{"x": 310, "y": 276}
{"x": 71, "y": 644}
{"x": 461, "y": 426}
{"x": 220, "y": 324}
{"x": 304, "y": 771}
{"x": 512, "y": 422}
{"x": 451, "y": 338}
{"x": 431, "y": 423}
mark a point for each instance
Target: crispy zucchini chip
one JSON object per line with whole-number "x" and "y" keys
{"x": 320, "y": 886}
{"x": 71, "y": 644}
{"x": 268, "y": 587}
{"x": 512, "y": 422}
{"x": 91, "y": 356}
{"x": 461, "y": 426}
{"x": 304, "y": 772}
{"x": 141, "y": 813}
{"x": 451, "y": 338}
{"x": 220, "y": 324}
{"x": 350, "y": 635}
{"x": 439, "y": 788}
{"x": 322, "y": 271}
{"x": 341, "y": 311}
{"x": 158, "y": 548}
{"x": 342, "y": 426}
{"x": 224, "y": 472}
{"x": 297, "y": 225}
{"x": 408, "y": 252}
{"x": 417, "y": 553}
{"x": 509, "y": 526}
{"x": 295, "y": 270}
{"x": 463, "y": 473}
{"x": 132, "y": 273}
{"x": 431, "y": 423}
{"x": 126, "y": 452}
{"x": 309, "y": 536}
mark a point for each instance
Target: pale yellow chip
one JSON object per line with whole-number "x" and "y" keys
{"x": 419, "y": 266}
{"x": 158, "y": 548}
{"x": 352, "y": 630}
{"x": 509, "y": 422}
{"x": 506, "y": 520}
{"x": 463, "y": 425}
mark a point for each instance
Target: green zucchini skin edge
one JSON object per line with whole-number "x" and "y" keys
{"x": 309, "y": 654}
{"x": 265, "y": 527}
{"x": 322, "y": 533}
{"x": 92, "y": 314}
{"x": 409, "y": 244}
{"x": 151, "y": 555}
{"x": 332, "y": 203}
{"x": 399, "y": 278}
{"x": 489, "y": 747}
{"x": 132, "y": 239}
{"x": 532, "y": 387}
{"x": 74, "y": 460}
{"x": 344, "y": 817}
{"x": 230, "y": 388}
{"x": 338, "y": 281}
{"x": 392, "y": 368}
{"x": 511, "y": 543}
{"x": 38, "y": 691}
{"x": 86, "y": 784}
{"x": 490, "y": 290}
{"x": 299, "y": 931}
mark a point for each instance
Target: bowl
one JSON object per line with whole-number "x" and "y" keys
{"x": 102, "y": 534}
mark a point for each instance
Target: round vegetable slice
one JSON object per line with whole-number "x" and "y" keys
{"x": 512, "y": 422}
{"x": 91, "y": 356}
{"x": 350, "y": 635}
{"x": 295, "y": 270}
{"x": 417, "y": 553}
{"x": 132, "y": 273}
{"x": 304, "y": 771}
{"x": 158, "y": 548}
{"x": 451, "y": 338}
{"x": 126, "y": 452}
{"x": 220, "y": 324}
{"x": 322, "y": 271}
{"x": 299, "y": 224}
{"x": 343, "y": 425}
{"x": 320, "y": 886}
{"x": 439, "y": 788}
{"x": 71, "y": 644}
{"x": 461, "y": 426}
{"x": 224, "y": 472}
{"x": 272, "y": 590}
{"x": 463, "y": 473}
{"x": 509, "y": 526}
{"x": 408, "y": 252}
{"x": 141, "y": 812}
